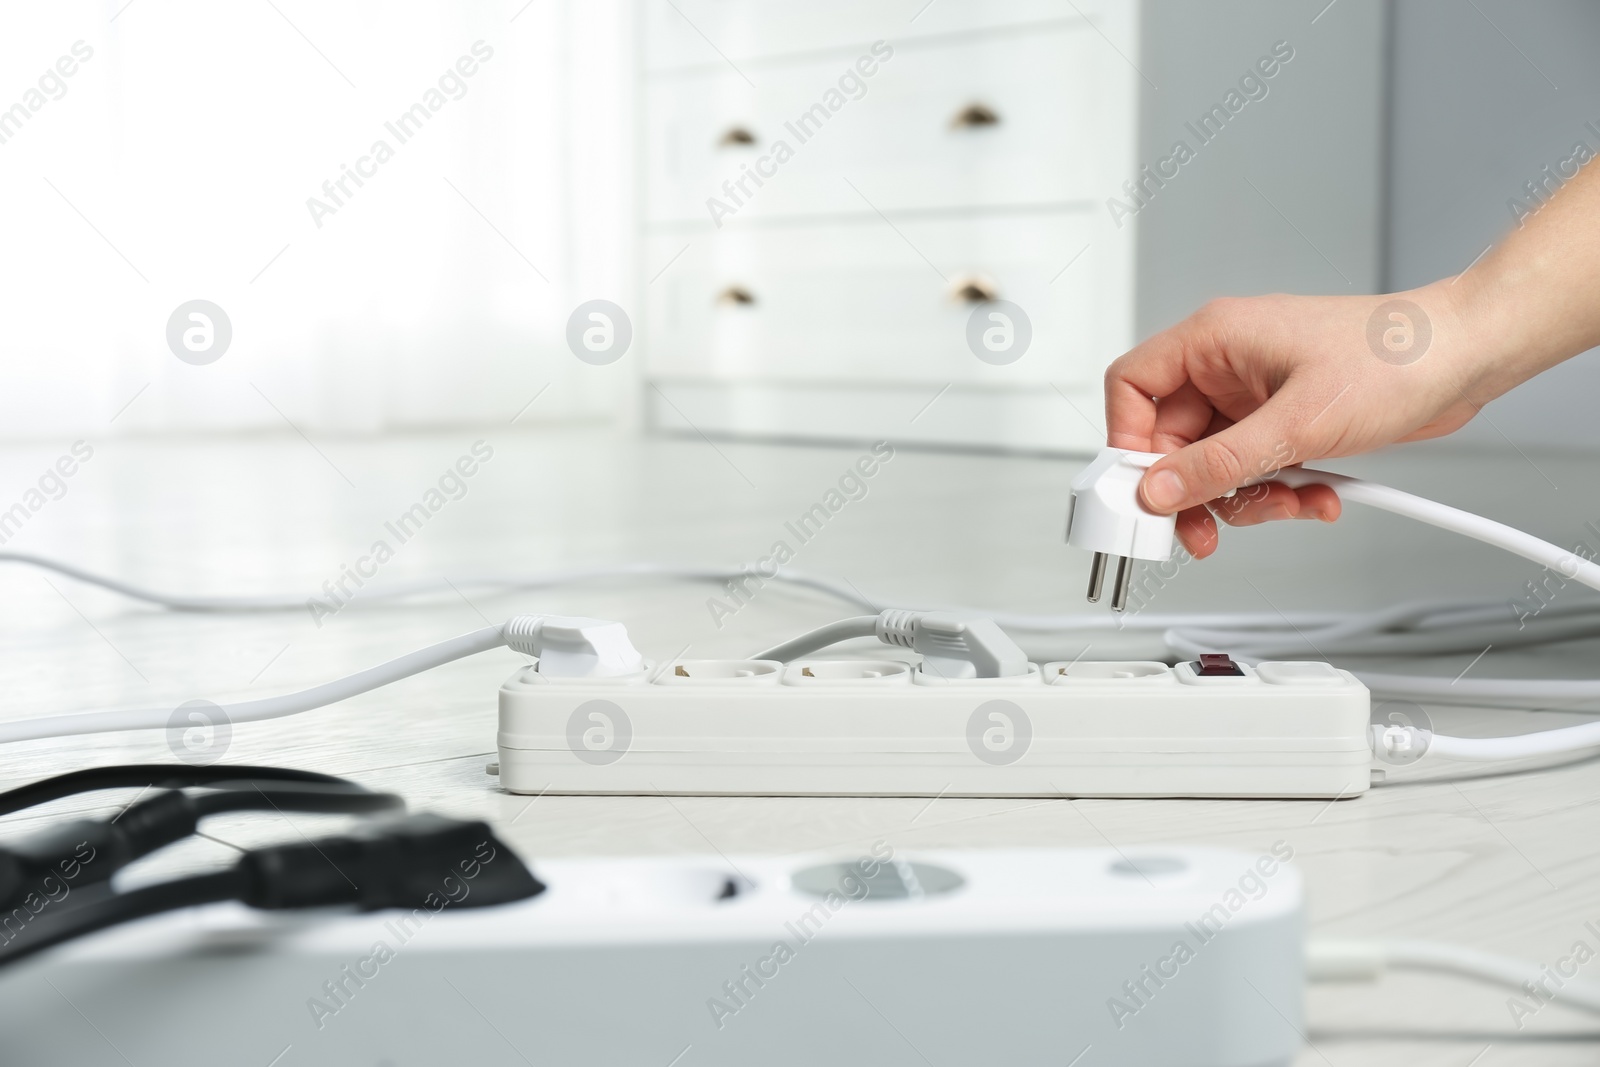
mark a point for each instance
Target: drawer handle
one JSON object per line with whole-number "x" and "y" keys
{"x": 974, "y": 115}
{"x": 736, "y": 135}
{"x": 736, "y": 294}
{"x": 971, "y": 289}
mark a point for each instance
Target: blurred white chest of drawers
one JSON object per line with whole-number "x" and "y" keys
{"x": 831, "y": 189}
{"x": 867, "y": 219}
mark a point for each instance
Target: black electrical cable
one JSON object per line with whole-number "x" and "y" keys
{"x": 116, "y": 908}
{"x": 295, "y": 796}
{"x": 408, "y": 861}
{"x": 153, "y": 776}
{"x": 86, "y": 852}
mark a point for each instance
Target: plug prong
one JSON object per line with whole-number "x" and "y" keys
{"x": 1097, "y": 577}
{"x": 1119, "y": 594}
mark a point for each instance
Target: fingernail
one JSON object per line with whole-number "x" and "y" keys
{"x": 1278, "y": 511}
{"x": 1312, "y": 513}
{"x": 1163, "y": 490}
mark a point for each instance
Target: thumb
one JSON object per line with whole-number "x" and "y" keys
{"x": 1254, "y": 447}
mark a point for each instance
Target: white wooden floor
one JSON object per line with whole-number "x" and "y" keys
{"x": 1502, "y": 862}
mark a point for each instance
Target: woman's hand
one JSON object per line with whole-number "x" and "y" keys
{"x": 1247, "y": 386}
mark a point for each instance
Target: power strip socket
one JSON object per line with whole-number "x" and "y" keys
{"x": 886, "y": 728}
{"x": 1183, "y": 957}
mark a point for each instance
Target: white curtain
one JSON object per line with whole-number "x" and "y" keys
{"x": 176, "y": 162}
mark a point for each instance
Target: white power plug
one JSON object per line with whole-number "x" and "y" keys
{"x": 1104, "y": 516}
{"x": 572, "y": 646}
{"x": 954, "y": 646}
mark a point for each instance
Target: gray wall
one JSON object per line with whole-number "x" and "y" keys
{"x": 1392, "y": 141}
{"x": 1473, "y": 119}
{"x": 1289, "y": 197}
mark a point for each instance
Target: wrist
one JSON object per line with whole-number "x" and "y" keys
{"x": 1473, "y": 337}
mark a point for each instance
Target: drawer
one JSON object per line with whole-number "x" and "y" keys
{"x": 1034, "y": 118}
{"x": 688, "y": 33}
{"x": 851, "y": 301}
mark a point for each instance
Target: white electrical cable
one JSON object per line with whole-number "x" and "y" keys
{"x": 1328, "y": 961}
{"x": 180, "y": 602}
{"x": 1405, "y": 632}
{"x": 1423, "y": 628}
{"x": 1565, "y": 563}
{"x": 1367, "y": 637}
{"x": 572, "y": 646}
{"x": 1520, "y": 746}
{"x": 1252, "y": 626}
{"x": 1530, "y": 693}
{"x": 1431, "y": 641}
{"x": 1431, "y": 627}
{"x": 1398, "y": 740}
{"x": 1257, "y": 634}
{"x": 94, "y": 722}
{"x": 1416, "y": 629}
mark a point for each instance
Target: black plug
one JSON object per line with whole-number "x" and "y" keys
{"x": 414, "y": 861}
{"x": 47, "y": 864}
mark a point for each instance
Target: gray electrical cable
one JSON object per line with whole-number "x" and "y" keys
{"x": 822, "y": 637}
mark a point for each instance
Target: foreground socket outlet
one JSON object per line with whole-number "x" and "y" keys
{"x": 877, "y": 727}
{"x": 1020, "y": 957}
{"x": 1104, "y": 516}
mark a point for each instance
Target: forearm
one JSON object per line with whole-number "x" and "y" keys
{"x": 1534, "y": 300}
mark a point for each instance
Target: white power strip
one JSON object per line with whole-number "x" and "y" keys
{"x": 884, "y": 728}
{"x": 1183, "y": 957}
